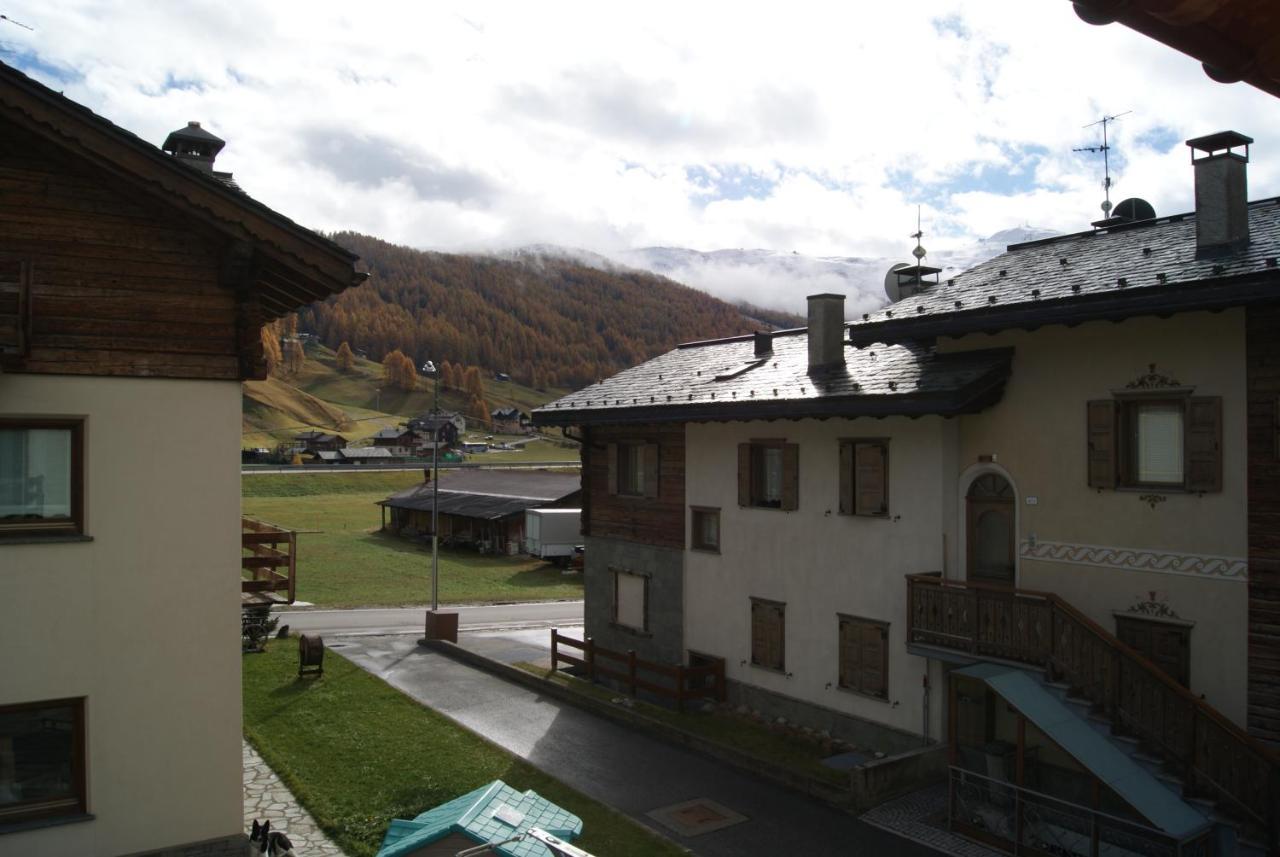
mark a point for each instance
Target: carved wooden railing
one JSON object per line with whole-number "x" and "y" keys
{"x": 1215, "y": 757}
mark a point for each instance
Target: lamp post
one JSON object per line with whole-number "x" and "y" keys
{"x": 439, "y": 626}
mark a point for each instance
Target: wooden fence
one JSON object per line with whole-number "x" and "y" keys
{"x": 1215, "y": 757}
{"x": 269, "y": 559}
{"x": 685, "y": 682}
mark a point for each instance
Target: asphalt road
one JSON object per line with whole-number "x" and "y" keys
{"x": 620, "y": 767}
{"x": 411, "y": 620}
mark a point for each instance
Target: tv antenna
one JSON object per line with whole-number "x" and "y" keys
{"x": 1105, "y": 149}
{"x": 16, "y": 23}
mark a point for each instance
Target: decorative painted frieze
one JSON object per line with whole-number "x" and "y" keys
{"x": 1137, "y": 559}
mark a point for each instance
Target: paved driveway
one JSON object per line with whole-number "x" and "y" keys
{"x": 628, "y": 771}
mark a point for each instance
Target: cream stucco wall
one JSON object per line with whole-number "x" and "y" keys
{"x": 819, "y": 562}
{"x": 143, "y": 620}
{"x": 1037, "y": 434}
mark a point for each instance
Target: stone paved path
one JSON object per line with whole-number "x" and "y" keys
{"x": 265, "y": 797}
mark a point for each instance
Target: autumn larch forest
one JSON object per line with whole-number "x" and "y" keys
{"x": 546, "y": 321}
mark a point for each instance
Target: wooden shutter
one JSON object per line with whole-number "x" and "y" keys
{"x": 775, "y": 649}
{"x": 758, "y": 632}
{"x": 849, "y": 649}
{"x": 650, "y": 470}
{"x": 846, "y": 484}
{"x": 873, "y": 659}
{"x": 744, "y": 474}
{"x": 1102, "y": 443}
{"x": 1204, "y": 443}
{"x": 15, "y": 309}
{"x": 613, "y": 468}
{"x": 790, "y": 477}
{"x": 872, "y": 461}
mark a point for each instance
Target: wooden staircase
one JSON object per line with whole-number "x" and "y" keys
{"x": 1215, "y": 759}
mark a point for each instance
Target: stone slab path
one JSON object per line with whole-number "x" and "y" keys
{"x": 265, "y": 797}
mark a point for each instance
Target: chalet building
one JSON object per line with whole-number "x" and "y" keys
{"x": 1031, "y": 513}
{"x": 480, "y": 508}
{"x": 319, "y": 441}
{"x": 397, "y": 440}
{"x": 510, "y": 421}
{"x": 458, "y": 420}
{"x": 133, "y": 286}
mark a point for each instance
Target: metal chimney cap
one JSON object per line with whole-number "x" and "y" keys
{"x": 1220, "y": 142}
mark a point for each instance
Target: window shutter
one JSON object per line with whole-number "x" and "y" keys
{"x": 744, "y": 474}
{"x": 873, "y": 494}
{"x": 848, "y": 653}
{"x": 1102, "y": 443}
{"x": 651, "y": 470}
{"x": 613, "y": 468}
{"x": 846, "y": 485}
{"x": 871, "y": 678}
{"x": 790, "y": 477}
{"x": 1204, "y": 444}
{"x": 777, "y": 637}
{"x": 15, "y": 310}
{"x": 758, "y": 634}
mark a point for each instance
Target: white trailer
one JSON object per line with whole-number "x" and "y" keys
{"x": 552, "y": 533}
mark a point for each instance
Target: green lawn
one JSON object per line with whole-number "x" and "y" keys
{"x": 357, "y": 753}
{"x": 350, "y": 563}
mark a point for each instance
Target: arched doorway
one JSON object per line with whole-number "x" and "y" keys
{"x": 990, "y": 530}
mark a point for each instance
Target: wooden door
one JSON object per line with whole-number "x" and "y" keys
{"x": 1165, "y": 645}
{"x": 991, "y": 535}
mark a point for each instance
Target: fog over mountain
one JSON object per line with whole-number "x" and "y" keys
{"x": 778, "y": 280}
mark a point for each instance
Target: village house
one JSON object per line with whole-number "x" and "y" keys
{"x": 1031, "y": 513}
{"x": 134, "y": 283}
{"x": 511, "y": 421}
{"x": 319, "y": 441}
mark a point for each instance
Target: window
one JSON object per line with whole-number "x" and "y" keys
{"x": 768, "y": 634}
{"x": 41, "y": 760}
{"x": 705, "y": 532}
{"x": 630, "y": 600}
{"x": 633, "y": 469}
{"x": 1172, "y": 443}
{"x": 768, "y": 475}
{"x": 864, "y": 478}
{"x": 41, "y": 477}
{"x": 864, "y": 656}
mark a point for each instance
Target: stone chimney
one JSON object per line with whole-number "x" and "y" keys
{"x": 1222, "y": 192}
{"x": 764, "y": 343}
{"x": 826, "y": 330}
{"x": 194, "y": 146}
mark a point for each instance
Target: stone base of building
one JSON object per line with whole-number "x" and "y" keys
{"x": 849, "y": 728}
{"x": 236, "y": 845}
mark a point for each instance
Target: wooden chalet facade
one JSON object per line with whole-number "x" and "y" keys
{"x": 1043, "y": 492}
{"x": 134, "y": 283}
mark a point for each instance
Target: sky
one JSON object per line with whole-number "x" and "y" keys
{"x": 816, "y": 128}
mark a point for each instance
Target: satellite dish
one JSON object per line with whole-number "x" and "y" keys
{"x": 891, "y": 282}
{"x": 1135, "y": 209}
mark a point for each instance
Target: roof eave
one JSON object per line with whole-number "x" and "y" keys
{"x": 973, "y": 397}
{"x": 1164, "y": 300}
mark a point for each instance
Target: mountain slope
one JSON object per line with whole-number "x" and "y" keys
{"x": 544, "y": 319}
{"x": 782, "y": 280}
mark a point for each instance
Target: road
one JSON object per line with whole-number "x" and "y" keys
{"x": 410, "y": 620}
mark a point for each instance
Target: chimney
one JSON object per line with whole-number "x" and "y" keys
{"x": 1222, "y": 193}
{"x": 826, "y": 330}
{"x": 194, "y": 146}
{"x": 764, "y": 343}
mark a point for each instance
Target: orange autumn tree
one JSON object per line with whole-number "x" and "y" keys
{"x": 344, "y": 359}
{"x": 398, "y": 371}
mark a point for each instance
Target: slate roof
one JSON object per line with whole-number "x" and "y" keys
{"x": 1148, "y": 267}
{"x": 488, "y": 494}
{"x": 485, "y": 815}
{"x": 725, "y": 380}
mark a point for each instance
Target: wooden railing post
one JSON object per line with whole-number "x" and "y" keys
{"x": 973, "y": 594}
{"x": 590, "y": 652}
{"x": 631, "y": 671}
{"x": 680, "y": 688}
{"x": 555, "y": 649}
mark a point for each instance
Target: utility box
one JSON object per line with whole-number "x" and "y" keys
{"x": 552, "y": 533}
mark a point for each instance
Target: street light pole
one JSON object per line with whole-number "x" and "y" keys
{"x": 435, "y": 492}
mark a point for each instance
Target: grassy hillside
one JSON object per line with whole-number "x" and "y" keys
{"x": 354, "y": 404}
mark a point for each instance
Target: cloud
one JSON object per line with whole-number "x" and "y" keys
{"x": 815, "y": 128}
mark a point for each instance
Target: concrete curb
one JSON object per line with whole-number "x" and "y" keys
{"x": 810, "y": 786}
